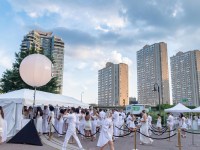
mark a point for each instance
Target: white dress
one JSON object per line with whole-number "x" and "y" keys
{"x": 45, "y": 121}
{"x": 106, "y": 132}
{"x": 144, "y": 130}
{"x": 198, "y": 121}
{"x": 60, "y": 125}
{"x": 158, "y": 125}
{"x": 132, "y": 124}
{"x": 39, "y": 123}
{"x": 51, "y": 114}
{"x": 184, "y": 125}
{"x": 82, "y": 124}
{"x": 195, "y": 123}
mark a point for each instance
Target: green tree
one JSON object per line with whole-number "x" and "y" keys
{"x": 11, "y": 79}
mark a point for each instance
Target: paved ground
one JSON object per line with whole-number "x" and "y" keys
{"x": 125, "y": 143}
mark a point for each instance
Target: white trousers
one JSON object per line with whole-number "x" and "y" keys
{"x": 67, "y": 137}
{"x": 45, "y": 125}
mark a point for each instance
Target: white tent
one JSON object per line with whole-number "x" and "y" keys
{"x": 196, "y": 109}
{"x": 180, "y": 108}
{"x": 13, "y": 103}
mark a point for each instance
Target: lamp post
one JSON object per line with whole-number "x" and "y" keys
{"x": 82, "y": 95}
{"x": 158, "y": 90}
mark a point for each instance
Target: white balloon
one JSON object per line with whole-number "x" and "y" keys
{"x": 36, "y": 70}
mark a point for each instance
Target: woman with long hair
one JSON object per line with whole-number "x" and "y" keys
{"x": 1, "y": 124}
{"x": 183, "y": 125}
{"x": 51, "y": 120}
{"x": 39, "y": 115}
{"x": 144, "y": 130}
{"x": 60, "y": 123}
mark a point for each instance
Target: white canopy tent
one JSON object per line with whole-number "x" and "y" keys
{"x": 13, "y": 103}
{"x": 196, "y": 110}
{"x": 179, "y": 108}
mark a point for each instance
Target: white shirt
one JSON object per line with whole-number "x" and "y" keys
{"x": 116, "y": 117}
{"x": 45, "y": 114}
{"x": 102, "y": 115}
{"x": 71, "y": 122}
{"x": 170, "y": 120}
{"x": 123, "y": 115}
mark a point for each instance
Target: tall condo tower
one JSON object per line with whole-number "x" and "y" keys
{"x": 52, "y": 46}
{"x": 113, "y": 85}
{"x": 152, "y": 71}
{"x": 185, "y": 73}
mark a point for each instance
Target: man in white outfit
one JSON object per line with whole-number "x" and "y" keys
{"x": 170, "y": 123}
{"x": 116, "y": 123}
{"x": 102, "y": 114}
{"x": 71, "y": 131}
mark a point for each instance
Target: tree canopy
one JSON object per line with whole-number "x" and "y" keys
{"x": 11, "y": 79}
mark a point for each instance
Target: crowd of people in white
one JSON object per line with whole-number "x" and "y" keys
{"x": 88, "y": 121}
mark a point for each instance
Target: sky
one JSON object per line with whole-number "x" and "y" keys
{"x": 98, "y": 31}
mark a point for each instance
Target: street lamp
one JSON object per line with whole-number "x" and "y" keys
{"x": 82, "y": 95}
{"x": 158, "y": 90}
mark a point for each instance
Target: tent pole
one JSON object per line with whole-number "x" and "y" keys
{"x": 34, "y": 99}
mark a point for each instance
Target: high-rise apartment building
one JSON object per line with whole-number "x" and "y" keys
{"x": 185, "y": 74}
{"x": 52, "y": 46}
{"x": 152, "y": 70}
{"x": 113, "y": 85}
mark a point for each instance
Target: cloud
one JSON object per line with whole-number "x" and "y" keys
{"x": 99, "y": 31}
{"x": 5, "y": 60}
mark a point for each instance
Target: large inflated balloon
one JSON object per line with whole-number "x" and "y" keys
{"x": 36, "y": 70}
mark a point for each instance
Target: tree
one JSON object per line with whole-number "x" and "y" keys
{"x": 11, "y": 79}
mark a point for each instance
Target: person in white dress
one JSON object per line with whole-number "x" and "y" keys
{"x": 159, "y": 123}
{"x": 144, "y": 130}
{"x": 39, "y": 115}
{"x": 82, "y": 124}
{"x": 183, "y": 126}
{"x": 88, "y": 125}
{"x": 198, "y": 122}
{"x": 121, "y": 120}
{"x": 71, "y": 131}
{"x": 170, "y": 123}
{"x": 1, "y": 124}
{"x": 106, "y": 133}
{"x": 128, "y": 120}
{"x": 102, "y": 114}
{"x": 132, "y": 125}
{"x": 60, "y": 123}
{"x": 51, "y": 120}
{"x": 149, "y": 118}
{"x": 195, "y": 123}
{"x": 189, "y": 122}
{"x": 94, "y": 118}
{"x": 45, "y": 119}
{"x": 116, "y": 123}
{"x": 121, "y": 124}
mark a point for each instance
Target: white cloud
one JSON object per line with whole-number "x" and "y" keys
{"x": 5, "y": 61}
